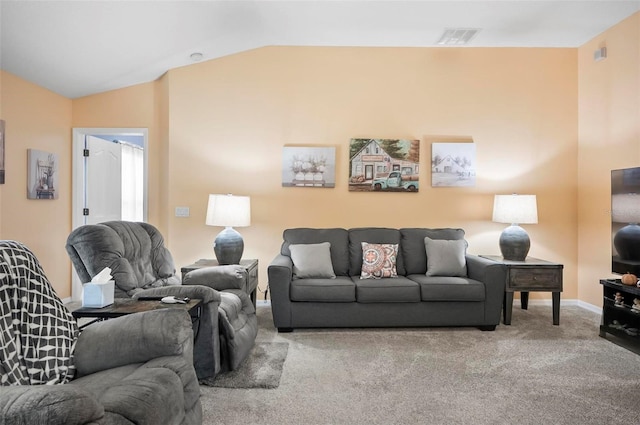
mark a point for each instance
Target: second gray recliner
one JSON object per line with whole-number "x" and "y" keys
{"x": 142, "y": 266}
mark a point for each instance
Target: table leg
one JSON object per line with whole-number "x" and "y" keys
{"x": 196, "y": 314}
{"x": 254, "y": 297}
{"x": 556, "y": 308}
{"x": 508, "y": 305}
{"x": 524, "y": 300}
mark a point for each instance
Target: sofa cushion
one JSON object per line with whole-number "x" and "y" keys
{"x": 392, "y": 290}
{"x": 312, "y": 260}
{"x": 379, "y": 260}
{"x": 446, "y": 258}
{"x": 412, "y": 249}
{"x": 377, "y": 235}
{"x": 445, "y": 288}
{"x": 338, "y": 238}
{"x": 340, "y": 289}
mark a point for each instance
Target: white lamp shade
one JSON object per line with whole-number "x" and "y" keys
{"x": 229, "y": 211}
{"x": 625, "y": 208}
{"x": 515, "y": 209}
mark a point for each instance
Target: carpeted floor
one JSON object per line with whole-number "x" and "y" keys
{"x": 528, "y": 373}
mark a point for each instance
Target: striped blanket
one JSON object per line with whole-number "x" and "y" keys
{"x": 37, "y": 332}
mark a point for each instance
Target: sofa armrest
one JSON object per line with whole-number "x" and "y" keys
{"x": 232, "y": 276}
{"x": 280, "y": 274}
{"x": 48, "y": 404}
{"x": 135, "y": 338}
{"x": 494, "y": 277}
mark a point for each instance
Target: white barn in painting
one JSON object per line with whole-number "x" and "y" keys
{"x": 448, "y": 165}
{"x": 372, "y": 161}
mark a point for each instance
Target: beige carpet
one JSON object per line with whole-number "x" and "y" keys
{"x": 528, "y": 373}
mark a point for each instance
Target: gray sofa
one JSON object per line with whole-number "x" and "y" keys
{"x": 437, "y": 282}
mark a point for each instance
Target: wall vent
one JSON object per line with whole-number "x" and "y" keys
{"x": 600, "y": 54}
{"x": 457, "y": 36}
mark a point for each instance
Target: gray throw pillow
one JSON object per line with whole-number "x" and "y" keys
{"x": 446, "y": 257}
{"x": 312, "y": 260}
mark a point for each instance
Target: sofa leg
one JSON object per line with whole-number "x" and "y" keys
{"x": 285, "y": 330}
{"x": 488, "y": 328}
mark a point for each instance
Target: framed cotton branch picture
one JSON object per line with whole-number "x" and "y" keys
{"x": 308, "y": 167}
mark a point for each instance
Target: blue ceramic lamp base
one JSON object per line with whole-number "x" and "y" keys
{"x": 514, "y": 243}
{"x": 228, "y": 246}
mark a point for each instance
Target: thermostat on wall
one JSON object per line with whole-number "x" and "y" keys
{"x": 182, "y": 211}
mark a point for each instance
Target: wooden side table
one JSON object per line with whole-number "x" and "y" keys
{"x": 125, "y": 306}
{"x": 530, "y": 275}
{"x": 251, "y": 265}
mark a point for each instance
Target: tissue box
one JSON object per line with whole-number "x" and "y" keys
{"x": 97, "y": 295}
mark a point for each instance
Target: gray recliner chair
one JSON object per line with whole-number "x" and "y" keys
{"x": 143, "y": 267}
{"x": 132, "y": 369}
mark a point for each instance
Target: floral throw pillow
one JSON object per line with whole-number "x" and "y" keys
{"x": 378, "y": 260}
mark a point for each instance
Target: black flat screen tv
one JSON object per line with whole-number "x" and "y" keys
{"x": 625, "y": 220}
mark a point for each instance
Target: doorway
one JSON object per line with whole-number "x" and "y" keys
{"x": 109, "y": 179}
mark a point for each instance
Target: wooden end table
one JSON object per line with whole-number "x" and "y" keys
{"x": 251, "y": 265}
{"x": 530, "y": 275}
{"x": 124, "y": 306}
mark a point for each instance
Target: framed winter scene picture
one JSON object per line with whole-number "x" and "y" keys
{"x": 453, "y": 164}
{"x": 384, "y": 165}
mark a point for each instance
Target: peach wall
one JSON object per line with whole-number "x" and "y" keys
{"x": 37, "y": 119}
{"x": 230, "y": 118}
{"x": 219, "y": 126}
{"x": 609, "y": 134}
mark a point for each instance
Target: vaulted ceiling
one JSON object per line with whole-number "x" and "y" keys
{"x": 76, "y": 48}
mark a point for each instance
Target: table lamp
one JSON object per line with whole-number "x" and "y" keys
{"x": 228, "y": 211}
{"x": 625, "y": 209}
{"x": 515, "y": 210}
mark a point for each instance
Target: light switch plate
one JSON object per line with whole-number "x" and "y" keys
{"x": 182, "y": 211}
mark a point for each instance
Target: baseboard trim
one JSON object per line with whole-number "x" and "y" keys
{"x": 571, "y": 302}
{"x": 563, "y": 302}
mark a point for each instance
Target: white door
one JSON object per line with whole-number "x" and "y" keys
{"x": 103, "y": 181}
{"x": 97, "y": 181}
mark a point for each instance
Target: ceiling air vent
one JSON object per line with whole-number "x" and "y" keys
{"x": 457, "y": 36}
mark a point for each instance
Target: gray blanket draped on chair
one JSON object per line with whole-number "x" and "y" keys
{"x": 31, "y": 353}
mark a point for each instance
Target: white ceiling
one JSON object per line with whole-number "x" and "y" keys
{"x": 76, "y": 48}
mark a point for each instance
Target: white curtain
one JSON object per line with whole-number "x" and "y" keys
{"x": 132, "y": 182}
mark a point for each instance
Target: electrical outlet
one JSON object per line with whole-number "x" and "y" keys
{"x": 182, "y": 211}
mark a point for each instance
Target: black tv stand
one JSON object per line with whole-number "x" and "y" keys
{"x": 620, "y": 321}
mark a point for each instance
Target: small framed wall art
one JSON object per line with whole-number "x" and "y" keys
{"x": 453, "y": 164}
{"x": 308, "y": 166}
{"x": 42, "y": 179}
{"x": 1, "y": 151}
